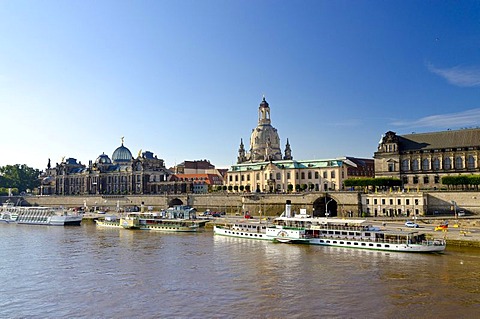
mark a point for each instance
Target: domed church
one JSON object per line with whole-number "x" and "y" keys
{"x": 264, "y": 140}
{"x": 264, "y": 169}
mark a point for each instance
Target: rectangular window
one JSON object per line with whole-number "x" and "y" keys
{"x": 288, "y": 175}
{"x": 332, "y": 174}
{"x": 375, "y": 201}
{"x": 324, "y": 174}
{"x": 316, "y": 175}
{"x": 407, "y": 202}
{"x": 399, "y": 201}
{"x": 383, "y": 201}
{"x": 248, "y": 177}
{"x": 415, "y": 179}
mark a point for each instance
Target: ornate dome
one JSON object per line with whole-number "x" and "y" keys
{"x": 122, "y": 154}
{"x": 103, "y": 159}
{"x": 264, "y": 141}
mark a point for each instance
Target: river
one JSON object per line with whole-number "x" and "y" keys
{"x": 89, "y": 272}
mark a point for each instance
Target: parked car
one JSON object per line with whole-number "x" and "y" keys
{"x": 216, "y": 215}
{"x": 411, "y": 224}
{"x": 461, "y": 213}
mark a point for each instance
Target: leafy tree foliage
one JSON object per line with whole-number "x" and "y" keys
{"x": 462, "y": 181}
{"x": 379, "y": 182}
{"x": 19, "y": 176}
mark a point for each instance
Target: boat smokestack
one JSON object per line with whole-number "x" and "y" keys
{"x": 288, "y": 209}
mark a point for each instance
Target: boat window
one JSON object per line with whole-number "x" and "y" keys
{"x": 341, "y": 242}
{"x": 363, "y": 244}
{"x": 387, "y": 246}
{"x": 371, "y": 245}
{"x": 334, "y": 241}
{"x": 356, "y": 244}
{"x": 379, "y": 245}
{"x": 322, "y": 241}
{"x": 367, "y": 234}
{"x": 344, "y": 233}
{"x": 351, "y": 233}
{"x": 349, "y": 243}
{"x": 337, "y": 233}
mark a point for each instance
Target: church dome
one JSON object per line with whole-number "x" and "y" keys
{"x": 122, "y": 154}
{"x": 103, "y": 159}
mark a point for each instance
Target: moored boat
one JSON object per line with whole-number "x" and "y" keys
{"x": 40, "y": 216}
{"x": 175, "y": 219}
{"x": 349, "y": 233}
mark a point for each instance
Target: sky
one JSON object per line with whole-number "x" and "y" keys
{"x": 184, "y": 78}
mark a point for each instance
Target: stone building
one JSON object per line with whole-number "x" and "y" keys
{"x": 421, "y": 160}
{"x": 120, "y": 174}
{"x": 265, "y": 169}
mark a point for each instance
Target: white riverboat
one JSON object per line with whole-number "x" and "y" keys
{"x": 175, "y": 219}
{"x": 243, "y": 229}
{"x": 40, "y": 216}
{"x": 351, "y": 233}
{"x": 348, "y": 233}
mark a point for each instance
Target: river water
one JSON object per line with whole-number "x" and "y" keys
{"x": 89, "y": 272}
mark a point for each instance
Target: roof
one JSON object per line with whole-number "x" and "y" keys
{"x": 438, "y": 140}
{"x": 294, "y": 164}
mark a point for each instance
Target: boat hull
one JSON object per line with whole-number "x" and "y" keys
{"x": 432, "y": 246}
{"x": 223, "y": 231}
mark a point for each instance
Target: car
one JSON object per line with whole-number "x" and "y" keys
{"x": 461, "y": 213}
{"x": 411, "y": 224}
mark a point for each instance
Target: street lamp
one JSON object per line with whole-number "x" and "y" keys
{"x": 326, "y": 206}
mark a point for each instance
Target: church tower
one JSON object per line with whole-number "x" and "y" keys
{"x": 264, "y": 140}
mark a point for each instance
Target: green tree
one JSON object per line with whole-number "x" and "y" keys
{"x": 247, "y": 188}
{"x": 19, "y": 176}
{"x": 290, "y": 187}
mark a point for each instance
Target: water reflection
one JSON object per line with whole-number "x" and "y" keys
{"x": 122, "y": 273}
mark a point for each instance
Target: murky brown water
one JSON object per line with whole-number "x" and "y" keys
{"x": 85, "y": 272}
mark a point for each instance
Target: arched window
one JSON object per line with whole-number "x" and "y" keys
{"x": 458, "y": 162}
{"x": 405, "y": 165}
{"x": 415, "y": 165}
{"x": 436, "y": 164}
{"x": 425, "y": 164}
{"x": 447, "y": 163}
{"x": 471, "y": 162}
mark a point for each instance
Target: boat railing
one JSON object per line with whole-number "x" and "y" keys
{"x": 434, "y": 242}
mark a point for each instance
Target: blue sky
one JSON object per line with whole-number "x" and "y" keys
{"x": 184, "y": 79}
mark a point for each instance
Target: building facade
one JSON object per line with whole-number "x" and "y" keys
{"x": 119, "y": 175}
{"x": 295, "y": 176}
{"x": 421, "y": 160}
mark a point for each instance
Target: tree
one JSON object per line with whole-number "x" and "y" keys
{"x": 242, "y": 188}
{"x": 19, "y": 176}
{"x": 290, "y": 187}
{"x": 247, "y": 188}
{"x": 235, "y": 188}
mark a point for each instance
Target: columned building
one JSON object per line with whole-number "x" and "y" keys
{"x": 421, "y": 160}
{"x": 121, "y": 174}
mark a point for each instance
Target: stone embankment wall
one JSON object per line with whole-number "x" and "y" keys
{"x": 264, "y": 204}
